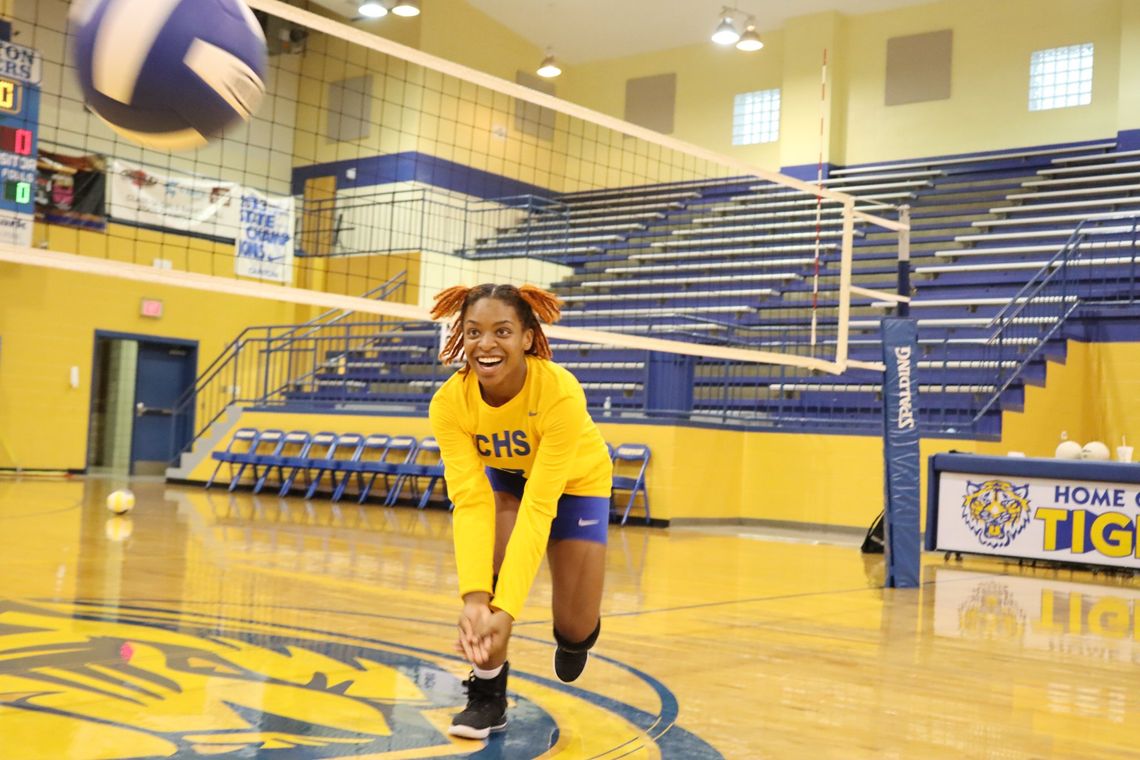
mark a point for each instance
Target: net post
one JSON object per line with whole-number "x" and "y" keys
{"x": 902, "y": 536}
{"x": 904, "y": 260}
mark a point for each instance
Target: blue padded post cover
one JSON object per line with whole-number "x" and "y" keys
{"x": 900, "y": 448}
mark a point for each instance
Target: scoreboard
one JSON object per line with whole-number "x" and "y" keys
{"x": 19, "y": 119}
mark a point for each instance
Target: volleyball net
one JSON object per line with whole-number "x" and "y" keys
{"x": 373, "y": 175}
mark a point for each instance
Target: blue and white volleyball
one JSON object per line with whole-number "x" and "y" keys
{"x": 169, "y": 74}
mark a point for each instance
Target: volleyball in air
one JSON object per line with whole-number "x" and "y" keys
{"x": 120, "y": 502}
{"x": 1095, "y": 451}
{"x": 169, "y": 74}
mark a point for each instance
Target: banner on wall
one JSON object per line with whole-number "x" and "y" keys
{"x": 264, "y": 244}
{"x": 71, "y": 190}
{"x": 139, "y": 195}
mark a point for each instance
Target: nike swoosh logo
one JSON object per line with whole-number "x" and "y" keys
{"x": 586, "y": 523}
{"x": 532, "y": 414}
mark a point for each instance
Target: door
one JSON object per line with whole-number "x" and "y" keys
{"x": 164, "y": 372}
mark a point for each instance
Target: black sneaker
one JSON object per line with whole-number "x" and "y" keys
{"x": 569, "y": 665}
{"x": 486, "y": 709}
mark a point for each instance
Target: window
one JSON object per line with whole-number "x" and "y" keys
{"x": 1061, "y": 77}
{"x": 756, "y": 117}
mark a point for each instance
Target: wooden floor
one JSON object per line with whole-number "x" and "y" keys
{"x": 214, "y": 625}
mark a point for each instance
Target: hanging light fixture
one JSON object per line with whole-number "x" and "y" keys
{"x": 728, "y": 30}
{"x": 749, "y": 41}
{"x": 372, "y": 9}
{"x": 549, "y": 68}
{"x": 407, "y": 8}
{"x": 726, "y": 33}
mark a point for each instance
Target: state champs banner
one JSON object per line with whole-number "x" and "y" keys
{"x": 902, "y": 544}
{"x": 139, "y": 195}
{"x": 264, "y": 244}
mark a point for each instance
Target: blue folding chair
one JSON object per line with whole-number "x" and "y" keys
{"x": 425, "y": 463}
{"x": 243, "y": 441}
{"x": 374, "y": 449}
{"x": 320, "y": 442}
{"x": 399, "y": 445}
{"x": 294, "y": 445}
{"x": 636, "y": 454}
{"x": 347, "y": 447}
{"x": 268, "y": 445}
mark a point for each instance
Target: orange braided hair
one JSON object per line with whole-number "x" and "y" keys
{"x": 532, "y": 305}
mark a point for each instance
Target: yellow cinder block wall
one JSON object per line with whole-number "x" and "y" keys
{"x": 48, "y": 322}
{"x": 992, "y": 44}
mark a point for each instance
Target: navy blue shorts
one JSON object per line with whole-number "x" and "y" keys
{"x": 582, "y": 517}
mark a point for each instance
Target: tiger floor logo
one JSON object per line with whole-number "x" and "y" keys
{"x": 94, "y": 680}
{"x": 996, "y": 511}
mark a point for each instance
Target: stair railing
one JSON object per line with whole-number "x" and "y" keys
{"x": 1023, "y": 328}
{"x": 246, "y": 363}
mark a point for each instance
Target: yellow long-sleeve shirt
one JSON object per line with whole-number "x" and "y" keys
{"x": 545, "y": 434}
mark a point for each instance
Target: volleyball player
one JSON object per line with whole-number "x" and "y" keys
{"x": 528, "y": 472}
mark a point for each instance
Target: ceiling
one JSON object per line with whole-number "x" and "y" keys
{"x": 580, "y": 31}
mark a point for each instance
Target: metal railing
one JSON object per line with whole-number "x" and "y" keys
{"x": 259, "y": 362}
{"x": 1022, "y": 330}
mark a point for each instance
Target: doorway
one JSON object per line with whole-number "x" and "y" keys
{"x": 136, "y": 383}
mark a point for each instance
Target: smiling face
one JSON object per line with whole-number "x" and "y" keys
{"x": 496, "y": 343}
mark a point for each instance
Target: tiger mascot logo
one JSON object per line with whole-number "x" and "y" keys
{"x": 996, "y": 511}
{"x": 96, "y": 678}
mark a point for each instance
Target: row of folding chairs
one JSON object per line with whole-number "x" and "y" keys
{"x": 402, "y": 461}
{"x": 338, "y": 459}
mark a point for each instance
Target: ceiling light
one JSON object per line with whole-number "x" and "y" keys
{"x": 549, "y": 68}
{"x": 726, "y": 33}
{"x": 372, "y": 9}
{"x": 407, "y": 8}
{"x": 749, "y": 41}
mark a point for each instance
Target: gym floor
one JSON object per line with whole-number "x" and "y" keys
{"x": 208, "y": 623}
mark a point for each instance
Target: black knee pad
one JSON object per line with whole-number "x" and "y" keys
{"x": 578, "y": 646}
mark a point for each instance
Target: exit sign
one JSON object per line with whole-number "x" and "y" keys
{"x": 151, "y": 307}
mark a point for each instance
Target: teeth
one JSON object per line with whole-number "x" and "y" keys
{"x": 489, "y": 362}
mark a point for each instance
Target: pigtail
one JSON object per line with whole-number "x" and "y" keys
{"x": 547, "y": 308}
{"x": 447, "y": 303}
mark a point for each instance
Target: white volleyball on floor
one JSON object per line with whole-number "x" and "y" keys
{"x": 120, "y": 502}
{"x": 1068, "y": 450}
{"x": 169, "y": 74}
{"x": 1095, "y": 451}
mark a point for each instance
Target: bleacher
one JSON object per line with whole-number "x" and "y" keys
{"x": 733, "y": 257}
{"x": 956, "y": 205}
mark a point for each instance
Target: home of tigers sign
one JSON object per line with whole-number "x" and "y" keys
{"x": 1088, "y": 522}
